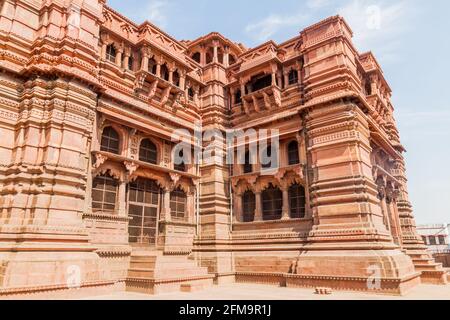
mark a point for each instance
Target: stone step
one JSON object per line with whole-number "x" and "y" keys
{"x": 428, "y": 267}
{"x": 159, "y": 286}
{"x": 167, "y": 273}
{"x": 423, "y": 261}
{"x": 154, "y": 257}
{"x": 198, "y": 285}
{"x": 166, "y": 265}
{"x": 155, "y": 273}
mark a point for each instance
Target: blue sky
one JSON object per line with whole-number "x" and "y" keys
{"x": 409, "y": 37}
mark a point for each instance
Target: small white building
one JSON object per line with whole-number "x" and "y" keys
{"x": 436, "y": 236}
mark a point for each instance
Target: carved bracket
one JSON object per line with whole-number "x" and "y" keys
{"x": 99, "y": 160}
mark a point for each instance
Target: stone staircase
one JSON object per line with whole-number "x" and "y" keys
{"x": 432, "y": 272}
{"x": 156, "y": 273}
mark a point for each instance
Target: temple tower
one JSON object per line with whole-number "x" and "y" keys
{"x": 50, "y": 92}
{"x": 212, "y": 246}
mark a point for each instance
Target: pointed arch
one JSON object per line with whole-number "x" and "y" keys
{"x": 148, "y": 152}
{"x": 110, "y": 140}
{"x": 272, "y": 203}
{"x": 297, "y": 201}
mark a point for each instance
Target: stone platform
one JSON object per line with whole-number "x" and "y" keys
{"x": 155, "y": 273}
{"x": 266, "y": 292}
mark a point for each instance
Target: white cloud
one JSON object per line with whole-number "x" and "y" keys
{"x": 157, "y": 12}
{"x": 378, "y": 25}
{"x": 266, "y": 28}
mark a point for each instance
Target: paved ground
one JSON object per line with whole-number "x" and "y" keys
{"x": 263, "y": 292}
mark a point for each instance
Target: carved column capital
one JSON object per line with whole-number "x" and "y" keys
{"x": 146, "y": 52}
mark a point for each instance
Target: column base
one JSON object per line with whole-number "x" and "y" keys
{"x": 63, "y": 273}
{"x": 376, "y": 271}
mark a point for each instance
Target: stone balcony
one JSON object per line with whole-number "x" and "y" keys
{"x": 297, "y": 171}
{"x": 156, "y": 82}
{"x": 132, "y": 165}
{"x": 265, "y": 99}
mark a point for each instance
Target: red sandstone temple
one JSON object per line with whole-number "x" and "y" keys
{"x": 92, "y": 201}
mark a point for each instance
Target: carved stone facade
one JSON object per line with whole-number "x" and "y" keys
{"x": 90, "y": 190}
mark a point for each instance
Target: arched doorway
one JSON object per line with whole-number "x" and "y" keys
{"x": 144, "y": 206}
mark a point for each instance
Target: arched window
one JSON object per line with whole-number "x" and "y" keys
{"x": 165, "y": 72}
{"x": 196, "y": 57}
{"x": 110, "y": 141}
{"x": 293, "y": 77}
{"x": 176, "y": 78}
{"x": 238, "y": 97}
{"x": 148, "y": 152}
{"x": 248, "y": 166}
{"x": 181, "y": 166}
{"x": 272, "y": 203}
{"x": 152, "y": 65}
{"x": 111, "y": 53}
{"x": 178, "y": 204}
{"x": 293, "y": 155}
{"x": 104, "y": 193}
{"x": 248, "y": 206}
{"x": 297, "y": 201}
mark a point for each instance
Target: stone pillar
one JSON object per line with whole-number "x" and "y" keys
{"x": 274, "y": 79}
{"x": 233, "y": 97}
{"x": 196, "y": 94}
{"x": 279, "y": 78}
{"x": 158, "y": 68}
{"x": 242, "y": 89}
{"x": 258, "y": 208}
{"x": 286, "y": 78}
{"x": 238, "y": 210}
{"x": 382, "y": 196}
{"x": 126, "y": 60}
{"x": 395, "y": 225}
{"x": 122, "y": 199}
{"x": 103, "y": 53}
{"x": 104, "y": 37}
{"x": 226, "y": 57}
{"x": 305, "y": 166}
{"x": 119, "y": 56}
{"x": 166, "y": 212}
{"x": 286, "y": 206}
{"x": 145, "y": 57}
{"x": 190, "y": 206}
{"x": 183, "y": 80}
{"x": 203, "y": 55}
{"x": 171, "y": 71}
{"x": 274, "y": 74}
{"x": 216, "y": 51}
